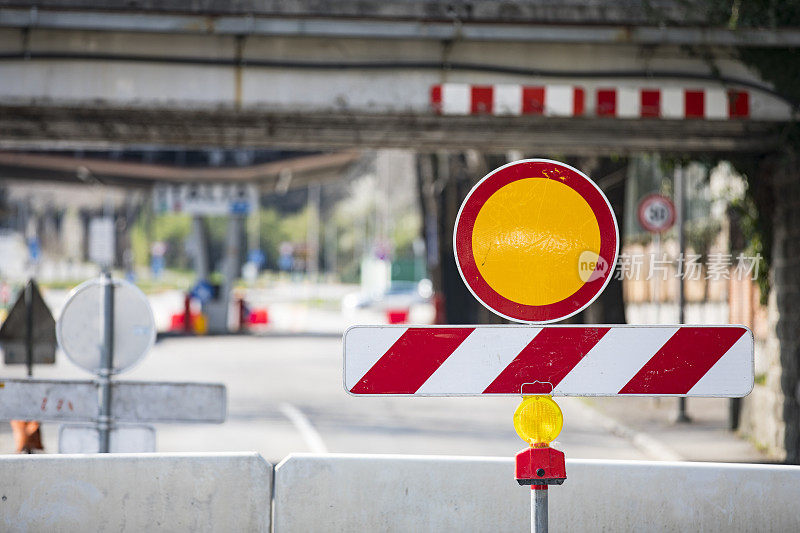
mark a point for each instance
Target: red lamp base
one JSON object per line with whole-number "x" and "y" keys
{"x": 541, "y": 466}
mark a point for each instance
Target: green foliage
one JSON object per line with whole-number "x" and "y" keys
{"x": 274, "y": 228}
{"x": 781, "y": 68}
{"x": 294, "y": 227}
{"x": 747, "y": 13}
{"x": 701, "y": 234}
{"x": 757, "y": 232}
{"x": 271, "y": 235}
{"x": 404, "y": 232}
{"x": 140, "y": 243}
{"x": 171, "y": 228}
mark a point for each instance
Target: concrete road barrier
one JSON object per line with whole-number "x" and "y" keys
{"x": 135, "y": 492}
{"x": 397, "y": 493}
{"x": 331, "y": 492}
{"x": 429, "y": 493}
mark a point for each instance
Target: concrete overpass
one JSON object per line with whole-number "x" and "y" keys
{"x": 294, "y": 74}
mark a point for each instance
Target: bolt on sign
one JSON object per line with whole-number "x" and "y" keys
{"x": 536, "y": 241}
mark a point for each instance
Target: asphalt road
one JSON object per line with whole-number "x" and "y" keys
{"x": 285, "y": 395}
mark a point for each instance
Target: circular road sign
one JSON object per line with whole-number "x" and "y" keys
{"x": 536, "y": 241}
{"x": 656, "y": 213}
{"x": 80, "y": 327}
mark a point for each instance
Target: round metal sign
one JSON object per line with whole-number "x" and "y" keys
{"x": 536, "y": 241}
{"x": 656, "y": 213}
{"x": 80, "y": 327}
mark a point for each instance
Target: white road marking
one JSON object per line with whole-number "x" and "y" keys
{"x": 303, "y": 424}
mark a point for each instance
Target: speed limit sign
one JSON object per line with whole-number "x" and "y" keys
{"x": 656, "y": 213}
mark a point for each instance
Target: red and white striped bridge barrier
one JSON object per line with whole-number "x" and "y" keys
{"x": 715, "y": 103}
{"x": 558, "y": 360}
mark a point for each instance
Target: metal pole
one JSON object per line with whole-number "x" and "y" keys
{"x": 656, "y": 292}
{"x": 200, "y": 255}
{"x": 680, "y": 201}
{"x": 538, "y": 508}
{"x": 106, "y": 363}
{"x": 29, "y": 327}
{"x": 312, "y": 234}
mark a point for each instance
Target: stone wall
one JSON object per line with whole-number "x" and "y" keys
{"x": 761, "y": 418}
{"x": 786, "y": 286}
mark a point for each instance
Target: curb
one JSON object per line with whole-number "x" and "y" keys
{"x": 644, "y": 442}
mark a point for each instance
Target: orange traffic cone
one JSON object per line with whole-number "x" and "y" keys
{"x": 26, "y": 436}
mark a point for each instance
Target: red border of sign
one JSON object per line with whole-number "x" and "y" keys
{"x": 644, "y": 202}
{"x": 465, "y": 223}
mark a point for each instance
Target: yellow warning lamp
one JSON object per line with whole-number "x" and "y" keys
{"x": 538, "y": 420}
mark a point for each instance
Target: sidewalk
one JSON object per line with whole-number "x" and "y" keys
{"x": 649, "y": 423}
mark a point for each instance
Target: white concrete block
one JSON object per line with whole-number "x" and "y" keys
{"x": 430, "y": 493}
{"x": 135, "y": 492}
{"x": 667, "y": 496}
{"x": 397, "y": 493}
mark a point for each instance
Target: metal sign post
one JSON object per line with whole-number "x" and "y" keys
{"x": 29, "y": 328}
{"x": 539, "y": 509}
{"x": 680, "y": 200}
{"x": 106, "y": 327}
{"x": 656, "y": 214}
{"x": 106, "y": 364}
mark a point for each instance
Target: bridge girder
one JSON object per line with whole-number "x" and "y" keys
{"x": 104, "y": 127}
{"x": 83, "y": 78}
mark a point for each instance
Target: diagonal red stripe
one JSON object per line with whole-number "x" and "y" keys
{"x": 547, "y": 358}
{"x": 411, "y": 360}
{"x": 683, "y": 360}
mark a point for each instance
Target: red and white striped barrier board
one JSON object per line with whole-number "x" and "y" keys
{"x": 562, "y": 360}
{"x": 574, "y": 101}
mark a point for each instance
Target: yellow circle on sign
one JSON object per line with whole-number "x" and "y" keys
{"x": 528, "y": 238}
{"x": 538, "y": 420}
